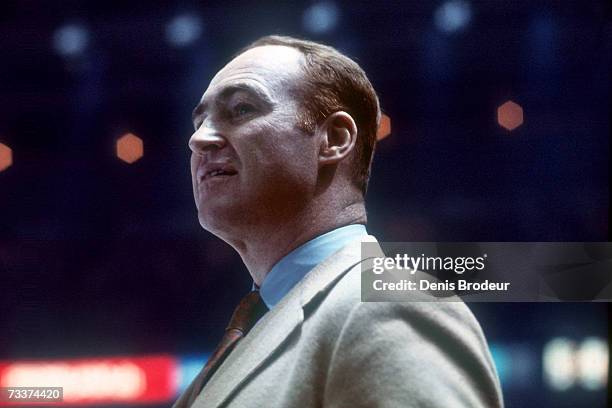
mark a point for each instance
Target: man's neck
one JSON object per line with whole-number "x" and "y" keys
{"x": 261, "y": 248}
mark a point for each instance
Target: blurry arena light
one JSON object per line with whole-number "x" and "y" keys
{"x": 510, "y": 115}
{"x": 183, "y": 30}
{"x": 593, "y": 360}
{"x": 502, "y": 359}
{"x": 145, "y": 379}
{"x": 515, "y": 363}
{"x": 71, "y": 40}
{"x": 188, "y": 368}
{"x": 6, "y": 157}
{"x": 452, "y": 16}
{"x": 321, "y": 18}
{"x": 558, "y": 364}
{"x": 384, "y": 128}
{"x": 566, "y": 364}
{"x": 129, "y": 148}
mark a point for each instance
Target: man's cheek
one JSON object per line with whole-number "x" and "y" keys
{"x": 194, "y": 161}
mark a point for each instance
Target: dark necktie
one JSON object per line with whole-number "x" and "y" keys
{"x": 250, "y": 309}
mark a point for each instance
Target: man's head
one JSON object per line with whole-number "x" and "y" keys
{"x": 333, "y": 82}
{"x": 282, "y": 121}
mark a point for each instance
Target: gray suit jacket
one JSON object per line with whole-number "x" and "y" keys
{"x": 322, "y": 347}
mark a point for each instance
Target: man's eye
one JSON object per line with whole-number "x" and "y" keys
{"x": 243, "y": 109}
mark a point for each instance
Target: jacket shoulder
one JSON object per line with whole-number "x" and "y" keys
{"x": 397, "y": 345}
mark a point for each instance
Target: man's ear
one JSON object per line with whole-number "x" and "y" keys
{"x": 338, "y": 136}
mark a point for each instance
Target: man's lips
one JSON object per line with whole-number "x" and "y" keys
{"x": 215, "y": 170}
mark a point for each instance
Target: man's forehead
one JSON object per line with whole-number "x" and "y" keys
{"x": 266, "y": 63}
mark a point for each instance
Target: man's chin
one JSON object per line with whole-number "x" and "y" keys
{"x": 221, "y": 220}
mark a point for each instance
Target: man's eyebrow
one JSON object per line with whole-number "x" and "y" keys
{"x": 228, "y": 91}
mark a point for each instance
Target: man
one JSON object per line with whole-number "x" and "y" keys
{"x": 280, "y": 162}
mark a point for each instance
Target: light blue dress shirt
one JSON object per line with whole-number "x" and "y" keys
{"x": 296, "y": 264}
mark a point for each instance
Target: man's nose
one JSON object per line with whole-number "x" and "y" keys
{"x": 206, "y": 138}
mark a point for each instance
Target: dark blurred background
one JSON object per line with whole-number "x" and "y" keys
{"x": 101, "y": 253}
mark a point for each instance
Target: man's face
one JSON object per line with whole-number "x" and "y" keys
{"x": 250, "y": 162}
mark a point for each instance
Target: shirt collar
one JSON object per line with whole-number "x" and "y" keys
{"x": 287, "y": 272}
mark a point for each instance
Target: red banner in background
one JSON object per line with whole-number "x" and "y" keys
{"x": 150, "y": 379}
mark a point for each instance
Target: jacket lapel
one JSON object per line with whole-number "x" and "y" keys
{"x": 274, "y": 328}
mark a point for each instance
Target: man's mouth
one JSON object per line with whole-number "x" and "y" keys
{"x": 218, "y": 173}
